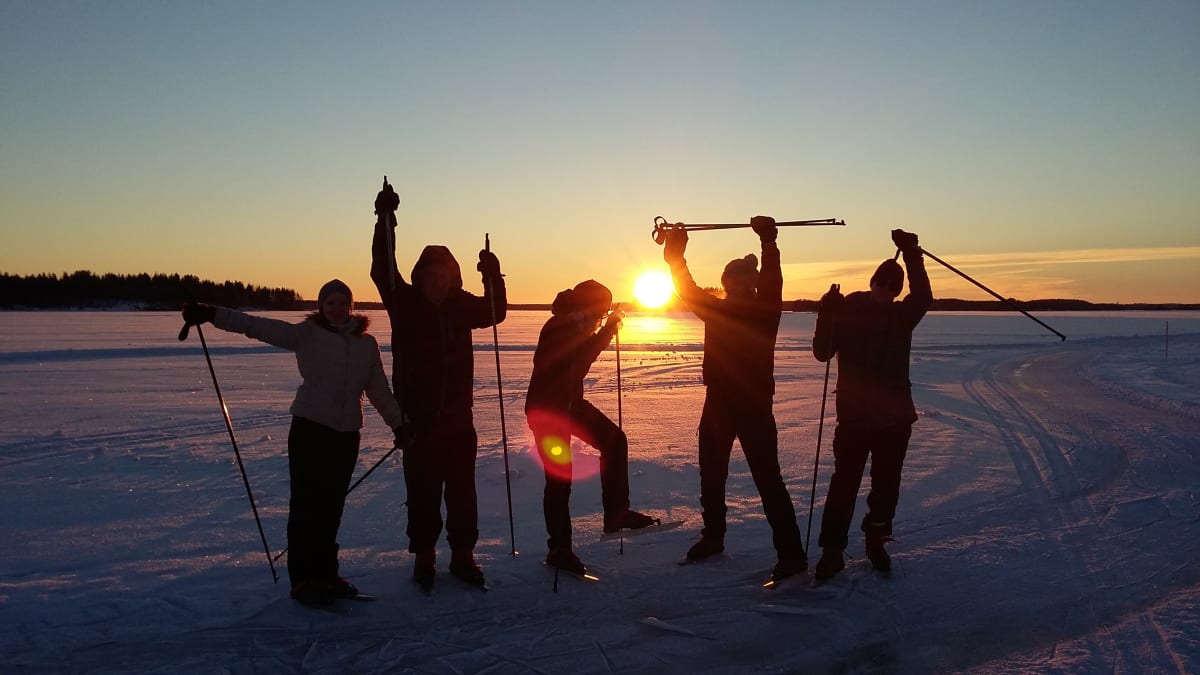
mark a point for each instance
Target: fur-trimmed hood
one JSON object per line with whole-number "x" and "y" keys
{"x": 358, "y": 322}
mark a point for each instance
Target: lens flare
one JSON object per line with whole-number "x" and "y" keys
{"x": 552, "y": 437}
{"x": 556, "y": 449}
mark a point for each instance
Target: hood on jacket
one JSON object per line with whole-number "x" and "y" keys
{"x": 436, "y": 255}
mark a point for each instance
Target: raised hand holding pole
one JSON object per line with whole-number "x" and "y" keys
{"x": 183, "y": 334}
{"x": 389, "y": 221}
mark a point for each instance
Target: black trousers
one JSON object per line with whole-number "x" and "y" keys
{"x": 441, "y": 464}
{"x": 725, "y": 418}
{"x": 321, "y": 461}
{"x": 852, "y": 445}
{"x": 588, "y": 424}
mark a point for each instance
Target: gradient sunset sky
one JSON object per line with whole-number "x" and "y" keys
{"x": 1050, "y": 149}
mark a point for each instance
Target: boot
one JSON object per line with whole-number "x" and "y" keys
{"x": 342, "y": 588}
{"x": 789, "y": 566}
{"x": 707, "y": 546}
{"x": 565, "y": 559}
{"x": 627, "y": 520}
{"x": 831, "y": 563}
{"x": 878, "y": 555}
{"x": 425, "y": 568}
{"x": 313, "y": 592}
{"x": 463, "y": 566}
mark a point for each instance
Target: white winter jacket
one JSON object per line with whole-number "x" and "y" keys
{"x": 336, "y": 367}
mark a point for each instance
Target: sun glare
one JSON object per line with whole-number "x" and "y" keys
{"x": 653, "y": 289}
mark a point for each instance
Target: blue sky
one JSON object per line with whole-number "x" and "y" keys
{"x": 1050, "y": 149}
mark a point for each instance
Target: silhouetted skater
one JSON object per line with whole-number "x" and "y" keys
{"x": 433, "y": 377}
{"x": 738, "y": 369}
{"x": 556, "y": 410}
{"x": 871, "y": 335}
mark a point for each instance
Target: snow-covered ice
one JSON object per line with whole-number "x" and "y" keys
{"x": 1049, "y": 519}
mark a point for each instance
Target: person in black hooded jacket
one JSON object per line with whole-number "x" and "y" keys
{"x": 433, "y": 366}
{"x": 871, "y": 335}
{"x": 739, "y": 380}
{"x": 556, "y": 410}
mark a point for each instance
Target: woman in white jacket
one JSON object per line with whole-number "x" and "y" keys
{"x": 339, "y": 362}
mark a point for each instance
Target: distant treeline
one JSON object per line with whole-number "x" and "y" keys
{"x": 85, "y": 290}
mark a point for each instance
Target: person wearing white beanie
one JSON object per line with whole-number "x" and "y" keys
{"x": 339, "y": 362}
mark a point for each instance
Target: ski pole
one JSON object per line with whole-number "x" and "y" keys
{"x": 487, "y": 246}
{"x": 617, "y": 343}
{"x": 183, "y": 334}
{"x": 993, "y": 293}
{"x": 812, "y": 495}
{"x": 662, "y": 226}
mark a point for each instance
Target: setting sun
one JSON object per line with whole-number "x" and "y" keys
{"x": 653, "y": 289}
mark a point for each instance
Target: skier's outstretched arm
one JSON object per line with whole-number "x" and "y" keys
{"x": 271, "y": 331}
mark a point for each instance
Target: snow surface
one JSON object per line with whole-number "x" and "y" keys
{"x": 1049, "y": 518}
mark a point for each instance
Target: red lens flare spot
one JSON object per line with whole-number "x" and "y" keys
{"x": 552, "y": 437}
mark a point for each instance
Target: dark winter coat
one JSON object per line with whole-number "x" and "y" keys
{"x": 873, "y": 342}
{"x": 739, "y": 334}
{"x": 433, "y": 361}
{"x": 566, "y": 349}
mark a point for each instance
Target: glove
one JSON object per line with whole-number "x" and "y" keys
{"x": 905, "y": 241}
{"x": 764, "y": 227}
{"x": 196, "y": 313}
{"x": 832, "y": 300}
{"x": 675, "y": 245}
{"x": 615, "y": 318}
{"x": 404, "y": 436}
{"x": 387, "y": 200}
{"x": 489, "y": 265}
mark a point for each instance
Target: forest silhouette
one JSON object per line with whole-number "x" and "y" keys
{"x": 86, "y": 290}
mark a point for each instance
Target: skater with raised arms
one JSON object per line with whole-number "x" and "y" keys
{"x": 871, "y": 335}
{"x": 738, "y": 371}
{"x": 433, "y": 365}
